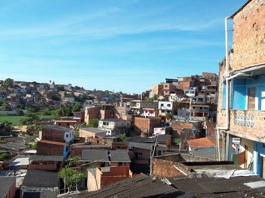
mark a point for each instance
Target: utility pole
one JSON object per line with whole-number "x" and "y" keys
{"x": 152, "y": 156}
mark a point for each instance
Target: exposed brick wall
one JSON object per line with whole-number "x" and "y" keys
{"x": 49, "y": 149}
{"x": 249, "y": 35}
{"x": 255, "y": 133}
{"x": 179, "y": 126}
{"x": 142, "y": 124}
{"x": 52, "y": 135}
{"x": 91, "y": 114}
{"x": 211, "y": 129}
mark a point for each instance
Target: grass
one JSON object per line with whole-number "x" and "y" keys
{"x": 15, "y": 120}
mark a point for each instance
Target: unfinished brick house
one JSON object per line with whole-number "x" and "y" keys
{"x": 241, "y": 102}
{"x": 145, "y": 126}
{"x": 55, "y": 140}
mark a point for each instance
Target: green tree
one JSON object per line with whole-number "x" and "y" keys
{"x": 61, "y": 111}
{"x": 93, "y": 122}
{"x": 74, "y": 161}
{"x": 30, "y": 118}
{"x": 76, "y": 130}
{"x": 19, "y": 112}
{"x": 70, "y": 177}
{"x": 76, "y": 107}
{"x": 4, "y": 156}
{"x": 8, "y": 83}
{"x": 6, "y": 107}
{"x": 122, "y": 138}
{"x": 7, "y": 125}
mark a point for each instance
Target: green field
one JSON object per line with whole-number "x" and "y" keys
{"x": 15, "y": 120}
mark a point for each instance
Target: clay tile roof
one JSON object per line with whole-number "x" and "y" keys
{"x": 201, "y": 143}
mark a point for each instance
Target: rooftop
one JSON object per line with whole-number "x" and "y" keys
{"x": 92, "y": 129}
{"x": 46, "y": 158}
{"x": 39, "y": 178}
{"x": 200, "y": 143}
{"x": 95, "y": 155}
{"x": 56, "y": 127}
{"x": 5, "y": 184}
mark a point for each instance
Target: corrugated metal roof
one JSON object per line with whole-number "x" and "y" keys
{"x": 119, "y": 155}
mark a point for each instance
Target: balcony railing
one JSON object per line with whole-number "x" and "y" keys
{"x": 249, "y": 124}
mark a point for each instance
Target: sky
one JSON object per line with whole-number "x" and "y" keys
{"x": 115, "y": 45}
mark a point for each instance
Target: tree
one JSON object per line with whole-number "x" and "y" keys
{"x": 123, "y": 138}
{"x": 74, "y": 161}
{"x": 61, "y": 111}
{"x": 76, "y": 107}
{"x": 30, "y": 118}
{"x": 4, "y": 156}
{"x": 70, "y": 177}
{"x": 19, "y": 112}
{"x": 76, "y": 130}
{"x": 7, "y": 125}
{"x": 8, "y": 82}
{"x": 93, "y": 122}
{"x": 6, "y": 107}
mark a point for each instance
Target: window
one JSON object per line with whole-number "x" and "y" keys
{"x": 162, "y": 105}
{"x": 168, "y": 105}
{"x": 251, "y": 98}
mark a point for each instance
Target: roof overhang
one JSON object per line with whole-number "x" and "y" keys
{"x": 251, "y": 71}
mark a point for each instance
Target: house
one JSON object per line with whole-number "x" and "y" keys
{"x": 141, "y": 152}
{"x": 204, "y": 147}
{"x": 166, "y": 107}
{"x": 199, "y": 111}
{"x": 57, "y": 133}
{"x": 39, "y": 183}
{"x": 105, "y": 158}
{"x": 137, "y": 106}
{"x": 7, "y": 187}
{"x": 90, "y": 132}
{"x": 145, "y": 125}
{"x": 139, "y": 186}
{"x": 241, "y": 103}
{"x": 155, "y": 90}
{"x": 91, "y": 112}
{"x": 45, "y": 162}
{"x": 107, "y": 111}
{"x": 19, "y": 162}
{"x": 101, "y": 177}
{"x": 114, "y": 126}
{"x": 65, "y": 122}
{"x": 46, "y": 147}
{"x": 76, "y": 149}
{"x": 186, "y": 130}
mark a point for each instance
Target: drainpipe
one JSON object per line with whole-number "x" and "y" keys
{"x": 227, "y": 79}
{"x": 227, "y": 92}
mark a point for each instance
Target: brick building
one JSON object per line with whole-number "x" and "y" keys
{"x": 241, "y": 105}
{"x": 55, "y": 140}
{"x": 145, "y": 126}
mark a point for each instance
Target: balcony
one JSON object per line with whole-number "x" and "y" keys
{"x": 249, "y": 124}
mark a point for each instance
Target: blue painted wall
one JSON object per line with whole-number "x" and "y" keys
{"x": 238, "y": 95}
{"x": 239, "y": 92}
{"x": 223, "y": 95}
{"x": 257, "y": 165}
{"x": 66, "y": 151}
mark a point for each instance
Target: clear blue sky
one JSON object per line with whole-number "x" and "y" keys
{"x": 120, "y": 45}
